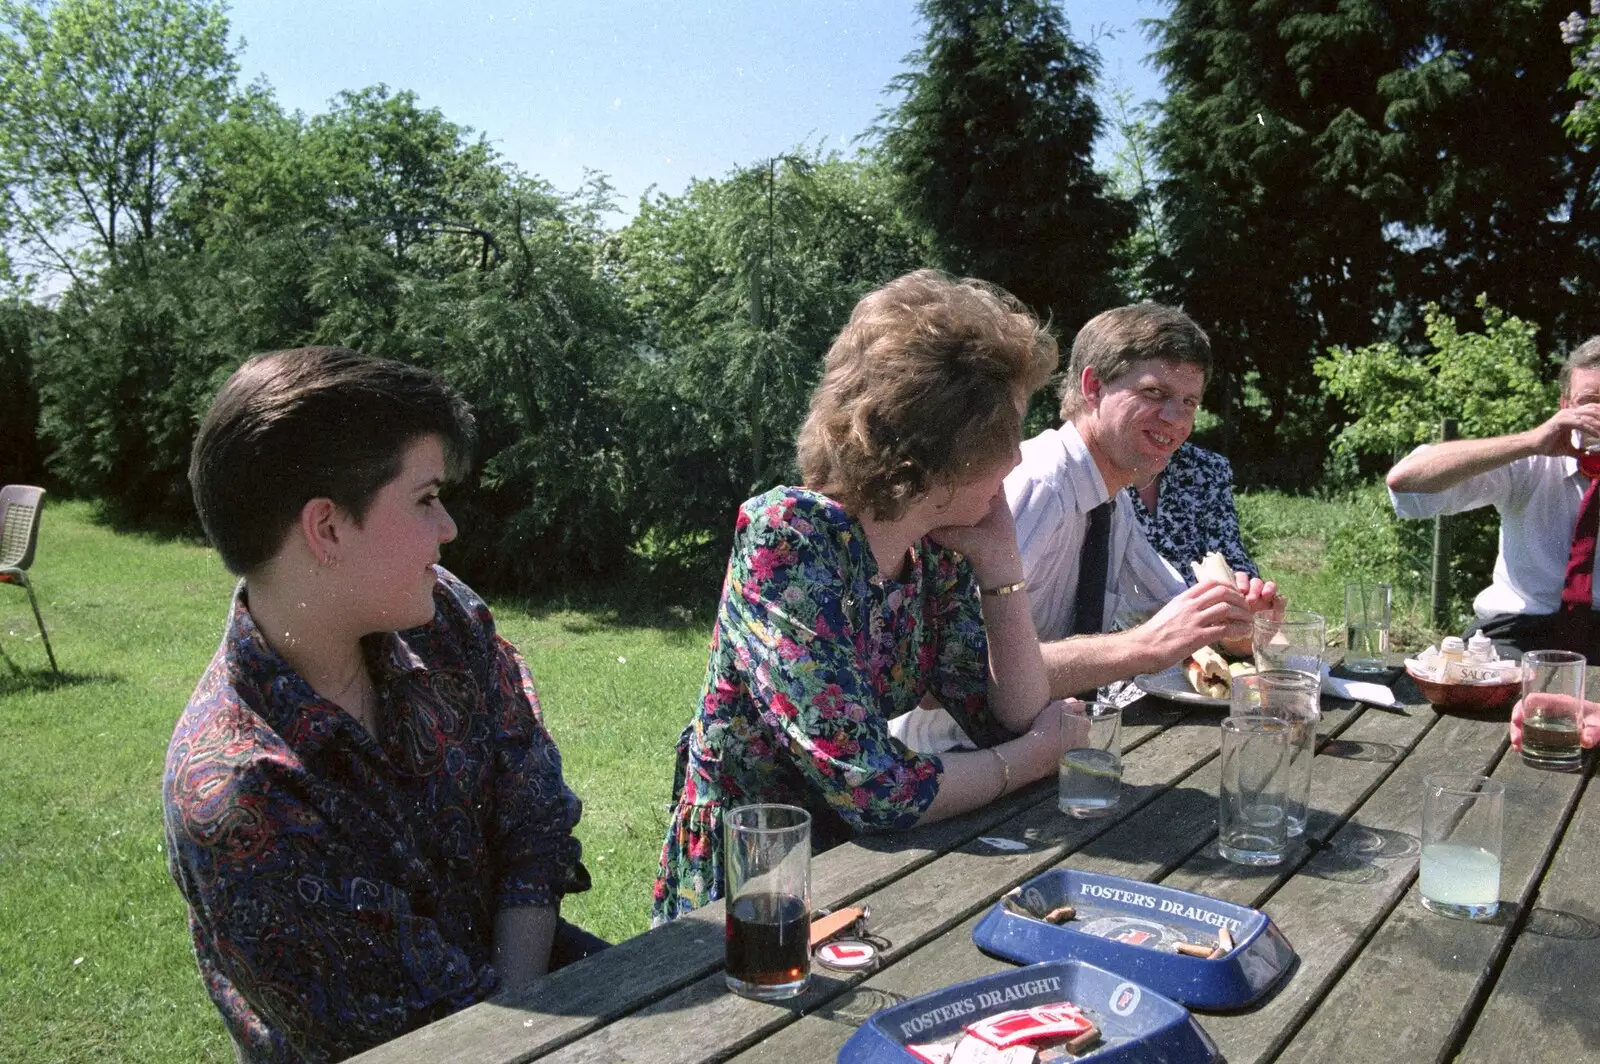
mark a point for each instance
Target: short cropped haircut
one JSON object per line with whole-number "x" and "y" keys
{"x": 1585, "y": 356}
{"x": 313, "y": 422}
{"x": 921, "y": 389}
{"x": 1113, "y": 341}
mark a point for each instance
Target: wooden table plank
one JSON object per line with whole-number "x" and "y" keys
{"x": 568, "y": 1004}
{"x": 911, "y": 910}
{"x": 1420, "y": 964}
{"x": 1347, "y": 889}
{"x": 1544, "y": 1005}
{"x": 1140, "y": 846}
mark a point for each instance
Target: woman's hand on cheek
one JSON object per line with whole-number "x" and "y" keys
{"x": 990, "y": 545}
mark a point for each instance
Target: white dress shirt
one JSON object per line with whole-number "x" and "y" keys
{"x": 1538, "y": 499}
{"x": 1051, "y": 493}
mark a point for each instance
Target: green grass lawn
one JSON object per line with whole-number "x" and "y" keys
{"x": 95, "y": 960}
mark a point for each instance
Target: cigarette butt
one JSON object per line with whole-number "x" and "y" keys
{"x": 1077, "y": 1045}
{"x": 1216, "y": 951}
{"x": 825, "y": 927}
{"x": 1013, "y": 904}
{"x": 1190, "y": 949}
{"x": 1061, "y": 915}
{"x": 1225, "y": 939}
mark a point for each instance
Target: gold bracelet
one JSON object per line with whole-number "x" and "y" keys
{"x": 1005, "y": 778}
{"x": 1007, "y": 589}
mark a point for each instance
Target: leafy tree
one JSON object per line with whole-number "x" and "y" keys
{"x": 20, "y": 460}
{"x": 1492, "y": 382}
{"x": 1135, "y": 176}
{"x": 1331, "y": 170}
{"x": 382, "y": 226}
{"x": 737, "y": 288}
{"x": 992, "y": 141}
{"x": 105, "y": 106}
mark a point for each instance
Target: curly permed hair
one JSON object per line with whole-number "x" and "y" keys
{"x": 922, "y": 387}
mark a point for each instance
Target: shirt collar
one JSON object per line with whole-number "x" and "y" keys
{"x": 253, "y": 661}
{"x": 1088, "y": 487}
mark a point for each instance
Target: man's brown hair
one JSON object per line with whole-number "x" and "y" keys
{"x": 313, "y": 422}
{"x": 921, "y": 388}
{"x": 1114, "y": 340}
{"x": 1585, "y": 356}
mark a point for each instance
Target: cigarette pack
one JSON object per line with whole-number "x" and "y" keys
{"x": 1131, "y": 1024}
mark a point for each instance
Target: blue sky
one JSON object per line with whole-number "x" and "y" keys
{"x": 647, "y": 93}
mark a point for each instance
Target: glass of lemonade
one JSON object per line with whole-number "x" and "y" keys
{"x": 1090, "y": 780}
{"x": 1462, "y": 821}
{"x": 1366, "y": 626}
{"x": 1552, "y": 708}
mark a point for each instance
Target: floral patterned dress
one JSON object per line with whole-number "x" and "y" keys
{"x": 1194, "y": 512}
{"x": 813, "y": 652}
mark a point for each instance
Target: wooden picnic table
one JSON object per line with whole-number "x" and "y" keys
{"x": 1378, "y": 977}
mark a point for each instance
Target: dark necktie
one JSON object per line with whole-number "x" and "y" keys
{"x": 1089, "y": 605}
{"x": 1577, "y": 590}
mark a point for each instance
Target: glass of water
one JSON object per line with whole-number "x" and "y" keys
{"x": 1252, "y": 826}
{"x": 1462, "y": 820}
{"x": 1296, "y": 698}
{"x": 1090, "y": 780}
{"x": 1293, "y": 640}
{"x": 1366, "y": 626}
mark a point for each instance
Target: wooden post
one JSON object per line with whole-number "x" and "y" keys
{"x": 1441, "y": 547}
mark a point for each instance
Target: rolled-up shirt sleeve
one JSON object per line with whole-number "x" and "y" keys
{"x": 1491, "y": 488}
{"x": 539, "y": 858}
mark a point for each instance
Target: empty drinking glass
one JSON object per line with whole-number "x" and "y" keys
{"x": 1293, "y": 697}
{"x": 1294, "y": 640}
{"x": 1252, "y": 827}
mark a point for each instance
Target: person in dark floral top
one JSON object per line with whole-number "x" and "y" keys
{"x": 891, "y": 580}
{"x": 1187, "y": 511}
{"x": 363, "y": 808}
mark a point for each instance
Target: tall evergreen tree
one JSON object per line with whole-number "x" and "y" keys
{"x": 992, "y": 141}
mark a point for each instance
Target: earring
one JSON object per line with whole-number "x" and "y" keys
{"x": 942, "y": 507}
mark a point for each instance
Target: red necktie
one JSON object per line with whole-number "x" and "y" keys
{"x": 1578, "y": 588}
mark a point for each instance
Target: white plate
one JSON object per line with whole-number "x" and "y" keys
{"x": 1172, "y": 684}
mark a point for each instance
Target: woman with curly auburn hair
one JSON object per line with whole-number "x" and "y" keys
{"x": 891, "y": 580}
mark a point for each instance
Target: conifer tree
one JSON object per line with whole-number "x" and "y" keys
{"x": 992, "y": 141}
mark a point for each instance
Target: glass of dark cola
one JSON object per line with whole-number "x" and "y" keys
{"x": 768, "y": 865}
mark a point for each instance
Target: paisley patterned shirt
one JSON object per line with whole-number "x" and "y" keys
{"x": 814, "y": 651}
{"x": 342, "y": 889}
{"x": 1194, "y": 512}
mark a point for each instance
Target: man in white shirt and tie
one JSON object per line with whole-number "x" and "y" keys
{"x": 1132, "y": 389}
{"x": 1543, "y": 595}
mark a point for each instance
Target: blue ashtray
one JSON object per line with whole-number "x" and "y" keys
{"x": 1136, "y": 1024}
{"x": 1134, "y": 928}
